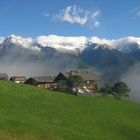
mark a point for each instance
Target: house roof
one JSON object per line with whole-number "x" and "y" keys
{"x": 3, "y": 76}
{"x": 19, "y": 78}
{"x": 42, "y": 79}
{"x": 86, "y": 75}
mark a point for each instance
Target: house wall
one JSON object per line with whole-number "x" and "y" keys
{"x": 18, "y": 82}
{"x": 90, "y": 85}
{"x": 61, "y": 80}
{"x": 31, "y": 81}
{"x": 48, "y": 85}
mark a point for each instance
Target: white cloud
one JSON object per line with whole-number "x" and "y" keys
{"x": 63, "y": 42}
{"x": 126, "y": 40}
{"x": 114, "y": 43}
{"x": 135, "y": 11}
{"x": 96, "y": 24}
{"x": 45, "y": 13}
{"x": 72, "y": 14}
{"x": 95, "y": 39}
{"x": 95, "y": 14}
{"x": 138, "y": 13}
{"x": 74, "y": 43}
{"x": 76, "y": 15}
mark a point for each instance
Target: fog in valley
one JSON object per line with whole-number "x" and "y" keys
{"x": 19, "y": 61}
{"x": 132, "y": 78}
{"x": 34, "y": 63}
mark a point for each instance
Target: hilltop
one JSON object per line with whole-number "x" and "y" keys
{"x": 31, "y": 113}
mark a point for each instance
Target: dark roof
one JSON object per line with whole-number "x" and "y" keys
{"x": 3, "y": 76}
{"x": 85, "y": 74}
{"x": 18, "y": 78}
{"x": 42, "y": 79}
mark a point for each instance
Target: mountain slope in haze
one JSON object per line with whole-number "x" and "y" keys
{"x": 34, "y": 59}
{"x": 102, "y": 57}
{"x": 53, "y": 53}
{"x": 111, "y": 62}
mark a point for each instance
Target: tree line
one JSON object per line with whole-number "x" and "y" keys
{"x": 118, "y": 90}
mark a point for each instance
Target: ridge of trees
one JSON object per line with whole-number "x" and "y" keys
{"x": 119, "y": 89}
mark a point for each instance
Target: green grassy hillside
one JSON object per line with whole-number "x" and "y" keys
{"x": 30, "y": 113}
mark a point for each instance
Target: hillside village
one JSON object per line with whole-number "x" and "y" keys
{"x": 60, "y": 81}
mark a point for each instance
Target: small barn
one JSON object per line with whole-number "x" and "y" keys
{"x": 43, "y": 82}
{"x": 3, "y": 76}
{"x": 89, "y": 80}
{"x": 18, "y": 79}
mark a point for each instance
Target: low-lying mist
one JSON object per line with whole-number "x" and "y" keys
{"x": 132, "y": 78}
{"x": 33, "y": 63}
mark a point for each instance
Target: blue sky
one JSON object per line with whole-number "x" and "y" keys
{"x": 102, "y": 18}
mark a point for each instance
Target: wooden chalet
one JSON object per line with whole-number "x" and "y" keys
{"x": 3, "y": 76}
{"x": 89, "y": 80}
{"x": 18, "y": 79}
{"x": 43, "y": 82}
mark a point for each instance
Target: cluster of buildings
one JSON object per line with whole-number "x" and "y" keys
{"x": 59, "y": 82}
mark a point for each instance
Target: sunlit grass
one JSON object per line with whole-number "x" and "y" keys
{"x": 31, "y": 113}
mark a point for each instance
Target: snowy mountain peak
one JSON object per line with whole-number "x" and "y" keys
{"x": 27, "y": 43}
{"x": 62, "y": 43}
{"x": 1, "y": 39}
{"x": 126, "y": 44}
{"x": 72, "y": 44}
{"x": 18, "y": 40}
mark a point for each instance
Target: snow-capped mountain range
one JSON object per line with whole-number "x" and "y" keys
{"x": 45, "y": 54}
{"x": 72, "y": 44}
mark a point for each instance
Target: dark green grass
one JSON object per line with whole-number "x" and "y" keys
{"x": 30, "y": 113}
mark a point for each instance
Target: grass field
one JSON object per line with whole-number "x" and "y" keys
{"x": 30, "y": 113}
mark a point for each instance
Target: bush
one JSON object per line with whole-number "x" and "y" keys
{"x": 120, "y": 89}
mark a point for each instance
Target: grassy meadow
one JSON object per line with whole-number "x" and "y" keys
{"x": 31, "y": 113}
